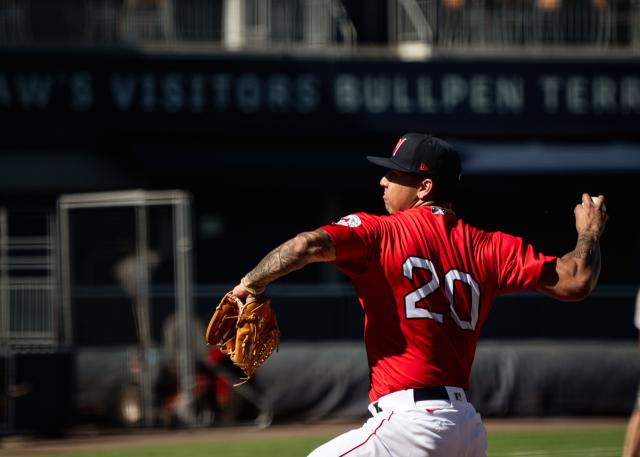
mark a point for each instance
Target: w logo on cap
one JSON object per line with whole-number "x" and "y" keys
{"x": 395, "y": 150}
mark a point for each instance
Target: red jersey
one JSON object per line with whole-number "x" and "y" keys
{"x": 426, "y": 281}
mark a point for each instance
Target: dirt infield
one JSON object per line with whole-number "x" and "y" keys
{"x": 86, "y": 440}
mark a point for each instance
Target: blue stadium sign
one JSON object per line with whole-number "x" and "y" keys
{"x": 494, "y": 97}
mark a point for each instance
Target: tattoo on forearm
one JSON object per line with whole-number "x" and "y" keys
{"x": 584, "y": 248}
{"x": 281, "y": 260}
{"x": 290, "y": 256}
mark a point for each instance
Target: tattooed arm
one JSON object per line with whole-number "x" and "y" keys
{"x": 305, "y": 248}
{"x": 573, "y": 276}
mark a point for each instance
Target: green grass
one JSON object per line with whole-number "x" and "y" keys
{"x": 589, "y": 442}
{"x": 270, "y": 448}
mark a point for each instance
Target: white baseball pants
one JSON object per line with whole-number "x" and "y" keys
{"x": 401, "y": 427}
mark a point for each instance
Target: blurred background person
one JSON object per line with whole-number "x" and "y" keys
{"x": 632, "y": 437}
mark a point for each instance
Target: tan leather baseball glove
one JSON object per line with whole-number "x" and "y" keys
{"x": 246, "y": 332}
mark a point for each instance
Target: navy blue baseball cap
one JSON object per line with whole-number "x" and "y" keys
{"x": 424, "y": 156}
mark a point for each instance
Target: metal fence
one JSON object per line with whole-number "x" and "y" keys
{"x": 29, "y": 315}
{"x": 28, "y": 304}
{"x": 109, "y": 235}
{"x": 449, "y": 24}
{"x": 319, "y": 24}
{"x": 228, "y": 23}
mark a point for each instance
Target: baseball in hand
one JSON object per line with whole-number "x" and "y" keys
{"x": 595, "y": 200}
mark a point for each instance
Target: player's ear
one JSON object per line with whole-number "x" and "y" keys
{"x": 425, "y": 187}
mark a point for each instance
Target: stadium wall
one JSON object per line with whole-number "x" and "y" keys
{"x": 509, "y": 378}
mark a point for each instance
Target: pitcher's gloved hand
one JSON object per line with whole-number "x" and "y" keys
{"x": 246, "y": 332}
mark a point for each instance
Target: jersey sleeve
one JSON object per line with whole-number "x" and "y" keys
{"x": 517, "y": 263}
{"x": 353, "y": 236}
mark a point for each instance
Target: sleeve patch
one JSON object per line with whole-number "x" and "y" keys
{"x": 349, "y": 221}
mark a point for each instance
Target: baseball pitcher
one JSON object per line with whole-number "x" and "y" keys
{"x": 426, "y": 280}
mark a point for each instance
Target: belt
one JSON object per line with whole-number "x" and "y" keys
{"x": 424, "y": 394}
{"x": 430, "y": 393}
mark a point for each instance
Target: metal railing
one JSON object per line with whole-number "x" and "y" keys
{"x": 28, "y": 305}
{"x": 265, "y": 25}
{"x": 447, "y": 24}
{"x": 227, "y": 23}
{"x": 29, "y": 320}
